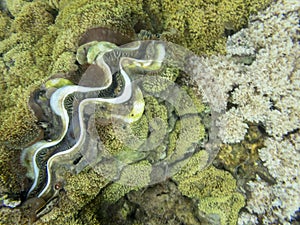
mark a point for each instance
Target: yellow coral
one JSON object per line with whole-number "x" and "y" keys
{"x": 78, "y": 16}
{"x": 136, "y": 175}
{"x": 215, "y": 190}
{"x": 115, "y": 191}
{"x": 191, "y": 166}
{"x": 15, "y": 6}
{"x": 19, "y": 127}
{"x": 188, "y": 131}
{"x": 201, "y": 25}
{"x": 4, "y": 25}
{"x": 133, "y": 177}
{"x": 34, "y": 18}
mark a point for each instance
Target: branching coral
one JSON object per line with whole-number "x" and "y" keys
{"x": 279, "y": 202}
{"x": 266, "y": 90}
{"x": 260, "y": 80}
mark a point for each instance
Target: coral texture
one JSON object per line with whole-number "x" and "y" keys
{"x": 49, "y": 48}
{"x": 266, "y": 91}
{"x": 277, "y": 203}
{"x": 214, "y": 190}
{"x": 260, "y": 80}
{"x": 39, "y": 39}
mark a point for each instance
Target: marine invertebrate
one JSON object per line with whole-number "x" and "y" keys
{"x": 158, "y": 204}
{"x": 52, "y": 51}
{"x": 45, "y": 52}
{"x": 57, "y": 105}
{"x": 4, "y": 25}
{"x": 280, "y": 200}
{"x": 51, "y": 47}
{"x": 215, "y": 190}
{"x": 120, "y": 97}
{"x": 196, "y": 25}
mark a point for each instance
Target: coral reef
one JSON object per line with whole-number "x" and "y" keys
{"x": 49, "y": 49}
{"x": 79, "y": 190}
{"x": 242, "y": 159}
{"x": 265, "y": 91}
{"x": 200, "y": 26}
{"x": 169, "y": 207}
{"x": 24, "y": 60}
{"x": 277, "y": 203}
{"x": 12, "y": 170}
{"x": 259, "y": 77}
{"x": 4, "y": 25}
{"x": 214, "y": 189}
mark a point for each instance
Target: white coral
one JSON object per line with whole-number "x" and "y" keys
{"x": 268, "y": 90}
{"x": 261, "y": 76}
{"x": 247, "y": 219}
{"x": 232, "y": 127}
{"x": 280, "y": 201}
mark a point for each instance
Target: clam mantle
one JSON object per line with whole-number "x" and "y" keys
{"x": 127, "y": 108}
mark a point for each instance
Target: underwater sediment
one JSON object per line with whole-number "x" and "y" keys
{"x": 256, "y": 118}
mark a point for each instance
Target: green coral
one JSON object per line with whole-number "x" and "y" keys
{"x": 215, "y": 191}
{"x": 192, "y": 165}
{"x": 122, "y": 140}
{"x": 80, "y": 188}
{"x": 115, "y": 191}
{"x": 19, "y": 123}
{"x": 4, "y": 25}
{"x": 131, "y": 142}
{"x": 188, "y": 132}
{"x": 154, "y": 109}
{"x": 11, "y": 216}
{"x": 136, "y": 175}
{"x": 195, "y": 98}
{"x": 23, "y": 67}
{"x": 78, "y": 16}
{"x": 84, "y": 186}
{"x": 15, "y": 6}
{"x": 132, "y": 177}
{"x": 201, "y": 25}
{"x": 37, "y": 49}
{"x": 10, "y": 168}
{"x": 33, "y": 18}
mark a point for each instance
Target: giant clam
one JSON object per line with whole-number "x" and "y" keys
{"x": 128, "y": 90}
